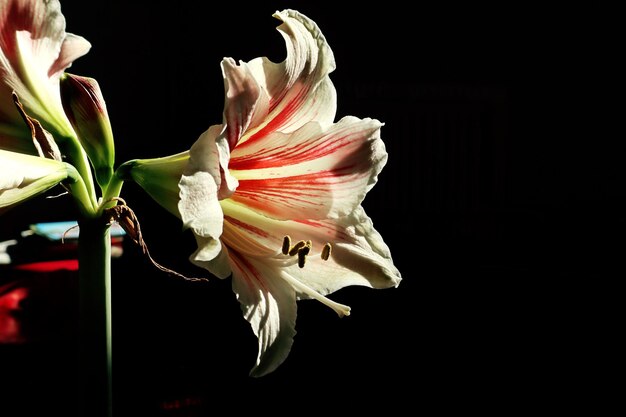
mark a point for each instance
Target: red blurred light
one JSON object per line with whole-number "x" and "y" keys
{"x": 50, "y": 266}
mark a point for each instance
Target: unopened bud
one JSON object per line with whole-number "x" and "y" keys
{"x": 86, "y": 110}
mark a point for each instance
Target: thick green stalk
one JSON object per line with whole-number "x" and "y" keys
{"x": 111, "y": 192}
{"x": 94, "y": 253}
{"x": 79, "y": 159}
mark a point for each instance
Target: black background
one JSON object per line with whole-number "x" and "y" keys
{"x": 502, "y": 203}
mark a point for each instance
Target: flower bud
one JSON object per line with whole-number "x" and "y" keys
{"x": 86, "y": 110}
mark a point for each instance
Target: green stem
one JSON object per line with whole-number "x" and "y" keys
{"x": 94, "y": 252}
{"x": 112, "y": 191}
{"x": 79, "y": 191}
{"x": 79, "y": 159}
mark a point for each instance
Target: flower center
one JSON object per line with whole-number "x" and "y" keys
{"x": 302, "y": 248}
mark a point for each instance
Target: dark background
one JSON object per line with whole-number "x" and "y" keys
{"x": 502, "y": 203}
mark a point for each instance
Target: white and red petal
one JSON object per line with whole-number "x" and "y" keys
{"x": 246, "y": 102}
{"x": 298, "y": 88}
{"x": 313, "y": 173}
{"x": 268, "y": 303}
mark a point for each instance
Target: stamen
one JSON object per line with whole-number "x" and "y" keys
{"x": 326, "y": 251}
{"x": 297, "y": 247}
{"x": 286, "y": 244}
{"x": 302, "y": 253}
{"x": 340, "y": 309}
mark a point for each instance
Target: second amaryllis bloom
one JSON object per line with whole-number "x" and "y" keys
{"x": 273, "y": 194}
{"x": 34, "y": 52}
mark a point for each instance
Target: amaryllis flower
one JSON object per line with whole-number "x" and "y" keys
{"x": 273, "y": 194}
{"x": 34, "y": 52}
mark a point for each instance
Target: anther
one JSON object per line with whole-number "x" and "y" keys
{"x": 286, "y": 244}
{"x": 297, "y": 247}
{"x": 302, "y": 253}
{"x": 326, "y": 251}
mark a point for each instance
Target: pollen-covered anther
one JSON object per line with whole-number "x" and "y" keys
{"x": 295, "y": 248}
{"x": 302, "y": 253}
{"x": 286, "y": 244}
{"x": 326, "y": 251}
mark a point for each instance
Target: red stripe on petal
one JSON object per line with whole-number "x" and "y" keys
{"x": 280, "y": 196}
{"x": 280, "y": 120}
{"x": 249, "y": 273}
{"x": 246, "y": 226}
{"x": 291, "y": 155}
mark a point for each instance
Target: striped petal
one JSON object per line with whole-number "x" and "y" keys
{"x": 313, "y": 173}
{"x": 246, "y": 102}
{"x": 298, "y": 90}
{"x": 269, "y": 305}
{"x": 34, "y": 51}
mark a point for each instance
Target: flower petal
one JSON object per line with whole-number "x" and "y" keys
{"x": 199, "y": 207}
{"x": 73, "y": 47}
{"x": 298, "y": 88}
{"x": 246, "y": 103}
{"x": 206, "y": 180}
{"x": 211, "y": 154}
{"x": 24, "y": 176}
{"x": 212, "y": 256}
{"x": 313, "y": 173}
{"x": 269, "y": 305}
